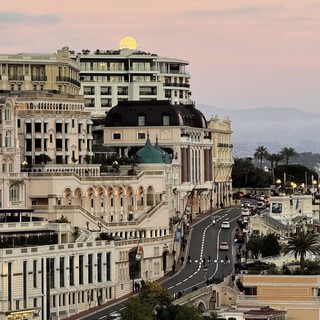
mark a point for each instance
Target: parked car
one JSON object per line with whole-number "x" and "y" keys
{"x": 224, "y": 246}
{"x": 225, "y": 225}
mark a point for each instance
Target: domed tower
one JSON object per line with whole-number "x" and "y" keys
{"x": 151, "y": 154}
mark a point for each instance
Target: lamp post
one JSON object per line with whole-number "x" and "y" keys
{"x": 278, "y": 182}
{"x": 313, "y": 191}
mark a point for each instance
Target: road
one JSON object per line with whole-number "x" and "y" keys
{"x": 203, "y": 242}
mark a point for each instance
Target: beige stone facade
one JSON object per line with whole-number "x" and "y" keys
{"x": 35, "y": 72}
{"x": 222, "y": 160}
{"x": 298, "y": 295}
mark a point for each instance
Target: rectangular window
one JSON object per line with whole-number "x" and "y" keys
{"x": 116, "y": 136}
{"x": 166, "y": 120}
{"x": 58, "y": 127}
{"x": 35, "y": 271}
{"x": 141, "y": 120}
{"x": 51, "y": 272}
{"x": 108, "y": 266}
{"x": 99, "y": 267}
{"x": 81, "y": 269}
{"x": 123, "y": 91}
{"x": 62, "y": 272}
{"x": 141, "y": 135}
{"x": 25, "y": 283}
{"x": 90, "y": 268}
{"x": 71, "y": 270}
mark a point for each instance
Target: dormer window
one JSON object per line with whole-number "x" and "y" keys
{"x": 165, "y": 120}
{"x": 141, "y": 120}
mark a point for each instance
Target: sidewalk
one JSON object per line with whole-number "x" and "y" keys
{"x": 195, "y": 219}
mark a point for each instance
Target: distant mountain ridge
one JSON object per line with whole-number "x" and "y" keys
{"x": 271, "y": 127}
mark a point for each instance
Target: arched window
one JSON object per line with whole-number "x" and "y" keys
{"x": 7, "y": 114}
{"x": 8, "y": 139}
{"x": 14, "y": 193}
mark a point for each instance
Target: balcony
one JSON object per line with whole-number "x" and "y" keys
{"x": 69, "y": 80}
{"x": 16, "y": 77}
{"x": 39, "y": 78}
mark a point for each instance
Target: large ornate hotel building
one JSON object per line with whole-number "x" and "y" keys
{"x": 70, "y": 234}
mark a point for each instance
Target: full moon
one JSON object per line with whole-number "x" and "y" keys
{"x": 128, "y": 43}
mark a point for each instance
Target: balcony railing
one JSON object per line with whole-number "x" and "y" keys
{"x": 38, "y": 78}
{"x": 16, "y": 77}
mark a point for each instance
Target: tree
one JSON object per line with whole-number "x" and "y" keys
{"x": 136, "y": 309}
{"x": 274, "y": 159}
{"x": 177, "y": 312}
{"x": 270, "y": 246}
{"x": 153, "y": 294}
{"x": 254, "y": 245}
{"x": 287, "y": 153}
{"x": 261, "y": 153}
{"x": 242, "y": 168}
{"x": 44, "y": 158}
{"x": 154, "y": 302}
{"x": 301, "y": 243}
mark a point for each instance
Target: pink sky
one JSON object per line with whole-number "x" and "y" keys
{"x": 242, "y": 53}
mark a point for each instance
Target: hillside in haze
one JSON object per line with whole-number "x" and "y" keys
{"x": 273, "y": 128}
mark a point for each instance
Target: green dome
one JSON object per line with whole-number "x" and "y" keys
{"x": 165, "y": 155}
{"x": 150, "y": 154}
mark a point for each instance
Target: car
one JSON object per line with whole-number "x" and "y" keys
{"x": 225, "y": 225}
{"x": 114, "y": 316}
{"x": 261, "y": 205}
{"x": 245, "y": 212}
{"x": 224, "y": 246}
{"x": 245, "y": 203}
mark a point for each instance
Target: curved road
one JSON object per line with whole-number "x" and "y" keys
{"x": 203, "y": 242}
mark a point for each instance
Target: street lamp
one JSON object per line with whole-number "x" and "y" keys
{"x": 278, "y": 182}
{"x": 314, "y": 183}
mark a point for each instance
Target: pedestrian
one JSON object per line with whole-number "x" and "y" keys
{"x": 181, "y": 260}
{"x": 173, "y": 268}
{"x": 189, "y": 259}
{"x": 204, "y": 260}
{"x": 209, "y": 259}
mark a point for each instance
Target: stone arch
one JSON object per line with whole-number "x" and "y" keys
{"x": 67, "y": 196}
{"x": 140, "y": 198}
{"x": 78, "y": 196}
{"x": 150, "y": 196}
{"x": 165, "y": 262}
{"x": 129, "y": 202}
{"x": 134, "y": 263}
{"x": 89, "y": 199}
{"x": 201, "y": 306}
{"x": 100, "y": 199}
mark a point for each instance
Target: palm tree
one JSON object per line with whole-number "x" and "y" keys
{"x": 287, "y": 153}
{"x": 261, "y": 153}
{"x": 301, "y": 243}
{"x": 274, "y": 159}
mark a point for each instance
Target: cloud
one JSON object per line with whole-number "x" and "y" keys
{"x": 7, "y": 17}
{"x": 233, "y": 11}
